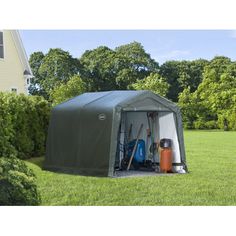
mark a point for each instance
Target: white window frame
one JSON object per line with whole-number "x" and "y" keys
{"x": 2, "y": 58}
{"x": 27, "y": 85}
{"x": 15, "y": 88}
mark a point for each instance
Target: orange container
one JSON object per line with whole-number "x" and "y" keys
{"x": 166, "y": 160}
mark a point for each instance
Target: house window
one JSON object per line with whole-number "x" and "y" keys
{"x": 14, "y": 90}
{"x": 1, "y": 45}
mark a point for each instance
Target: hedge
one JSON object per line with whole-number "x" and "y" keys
{"x": 23, "y": 125}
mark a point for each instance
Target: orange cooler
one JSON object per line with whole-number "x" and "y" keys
{"x": 166, "y": 155}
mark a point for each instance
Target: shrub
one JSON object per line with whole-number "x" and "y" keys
{"x": 19, "y": 108}
{"x": 227, "y": 120}
{"x": 232, "y": 120}
{"x": 199, "y": 124}
{"x": 202, "y": 124}
{"x": 38, "y": 115}
{"x": 6, "y": 127}
{"x": 211, "y": 124}
{"x": 17, "y": 183}
{"x": 23, "y": 125}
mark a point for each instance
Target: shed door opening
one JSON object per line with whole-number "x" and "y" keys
{"x": 142, "y": 131}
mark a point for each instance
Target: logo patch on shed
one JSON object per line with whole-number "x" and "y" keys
{"x": 102, "y": 116}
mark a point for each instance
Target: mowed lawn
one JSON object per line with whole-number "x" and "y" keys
{"x": 211, "y": 158}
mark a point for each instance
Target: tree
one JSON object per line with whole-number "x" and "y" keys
{"x": 51, "y": 70}
{"x": 191, "y": 73}
{"x": 35, "y": 62}
{"x": 133, "y": 63}
{"x": 188, "y": 104}
{"x": 220, "y": 79}
{"x": 107, "y": 69}
{"x": 216, "y": 79}
{"x": 74, "y": 87}
{"x": 154, "y": 83}
{"x": 170, "y": 71}
{"x": 182, "y": 75}
{"x": 97, "y": 69}
{"x": 215, "y": 97}
{"x": 195, "y": 114}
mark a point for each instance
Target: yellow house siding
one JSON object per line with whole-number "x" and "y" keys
{"x": 11, "y": 68}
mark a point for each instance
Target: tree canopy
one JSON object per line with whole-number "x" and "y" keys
{"x": 35, "y": 62}
{"x": 106, "y": 69}
{"x": 74, "y": 87}
{"x": 214, "y": 99}
{"x": 181, "y": 75}
{"x": 97, "y": 69}
{"x": 154, "y": 82}
{"x": 51, "y": 69}
{"x": 205, "y": 90}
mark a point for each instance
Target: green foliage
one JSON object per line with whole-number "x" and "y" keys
{"x": 74, "y": 87}
{"x": 189, "y": 107}
{"x": 39, "y": 119}
{"x": 97, "y": 69}
{"x": 35, "y": 62}
{"x": 17, "y": 183}
{"x": 133, "y": 63}
{"x": 6, "y": 127}
{"x": 23, "y": 123}
{"x": 205, "y": 90}
{"x": 181, "y": 75}
{"x": 212, "y": 105}
{"x": 19, "y": 109}
{"x": 218, "y": 89}
{"x": 153, "y": 83}
{"x": 51, "y": 69}
{"x": 105, "y": 69}
{"x": 202, "y": 124}
{"x": 169, "y": 70}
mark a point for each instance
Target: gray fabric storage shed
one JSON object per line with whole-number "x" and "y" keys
{"x": 84, "y": 132}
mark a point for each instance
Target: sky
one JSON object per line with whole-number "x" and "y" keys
{"x": 162, "y": 45}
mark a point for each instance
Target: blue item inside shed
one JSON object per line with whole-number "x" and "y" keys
{"x": 139, "y": 155}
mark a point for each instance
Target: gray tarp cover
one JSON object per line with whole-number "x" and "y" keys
{"x": 83, "y": 131}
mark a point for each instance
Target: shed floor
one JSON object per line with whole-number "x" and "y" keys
{"x": 136, "y": 173}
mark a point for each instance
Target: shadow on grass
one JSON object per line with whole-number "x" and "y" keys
{"x": 38, "y": 161}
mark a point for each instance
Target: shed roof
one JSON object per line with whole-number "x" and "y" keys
{"x": 112, "y": 99}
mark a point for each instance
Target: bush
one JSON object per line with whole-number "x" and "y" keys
{"x": 6, "y": 127}
{"x": 227, "y": 120}
{"x": 40, "y": 115}
{"x": 19, "y": 108}
{"x": 202, "y": 124}
{"x": 232, "y": 120}
{"x": 17, "y": 183}
{"x": 212, "y": 124}
{"x": 23, "y": 125}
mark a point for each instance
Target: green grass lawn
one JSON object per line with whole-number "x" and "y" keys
{"x": 211, "y": 159}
